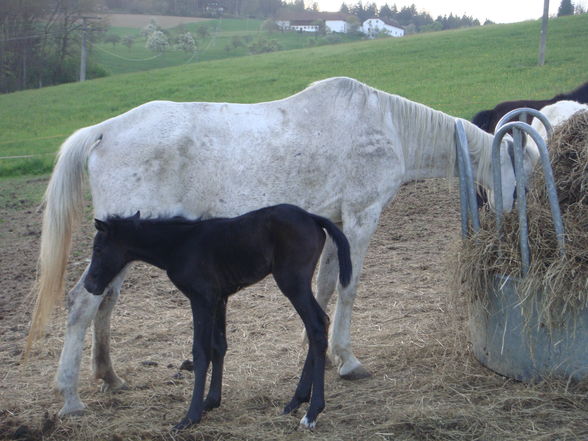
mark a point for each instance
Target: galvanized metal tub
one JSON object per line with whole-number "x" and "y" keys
{"x": 513, "y": 342}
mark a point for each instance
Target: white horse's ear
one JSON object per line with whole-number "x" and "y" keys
{"x": 101, "y": 226}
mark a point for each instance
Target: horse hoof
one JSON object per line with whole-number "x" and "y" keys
{"x": 357, "y": 373}
{"x": 77, "y": 409}
{"x": 305, "y": 423}
{"x": 114, "y": 386}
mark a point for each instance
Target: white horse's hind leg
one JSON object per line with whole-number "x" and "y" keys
{"x": 327, "y": 275}
{"x": 326, "y": 278}
{"x": 359, "y": 230}
{"x": 101, "y": 361}
{"x": 82, "y": 308}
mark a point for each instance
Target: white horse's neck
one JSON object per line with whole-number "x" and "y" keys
{"x": 427, "y": 137}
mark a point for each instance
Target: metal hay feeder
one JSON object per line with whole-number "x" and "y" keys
{"x": 507, "y": 336}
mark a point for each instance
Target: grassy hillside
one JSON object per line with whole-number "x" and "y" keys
{"x": 219, "y": 44}
{"x": 458, "y": 72}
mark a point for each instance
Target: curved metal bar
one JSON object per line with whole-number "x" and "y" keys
{"x": 521, "y": 178}
{"x": 497, "y": 179}
{"x": 522, "y": 113}
{"x": 521, "y": 198}
{"x": 467, "y": 190}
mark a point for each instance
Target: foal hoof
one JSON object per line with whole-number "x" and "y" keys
{"x": 182, "y": 425}
{"x": 292, "y": 406}
{"x": 305, "y": 423}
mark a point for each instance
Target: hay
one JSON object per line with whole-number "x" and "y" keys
{"x": 561, "y": 282}
{"x": 426, "y": 385}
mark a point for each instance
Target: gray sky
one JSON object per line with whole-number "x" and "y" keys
{"x": 499, "y": 11}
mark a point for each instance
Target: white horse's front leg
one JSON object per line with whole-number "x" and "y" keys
{"x": 101, "y": 361}
{"x": 359, "y": 230}
{"x": 82, "y": 307}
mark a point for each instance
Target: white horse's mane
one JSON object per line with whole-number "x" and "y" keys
{"x": 418, "y": 123}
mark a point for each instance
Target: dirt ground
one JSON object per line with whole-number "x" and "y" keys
{"x": 408, "y": 330}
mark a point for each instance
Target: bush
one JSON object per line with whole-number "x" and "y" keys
{"x": 263, "y": 45}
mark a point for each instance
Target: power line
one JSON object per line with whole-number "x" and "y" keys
{"x": 26, "y": 37}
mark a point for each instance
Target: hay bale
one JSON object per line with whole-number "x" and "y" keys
{"x": 561, "y": 281}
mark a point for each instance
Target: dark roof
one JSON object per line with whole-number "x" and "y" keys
{"x": 286, "y": 14}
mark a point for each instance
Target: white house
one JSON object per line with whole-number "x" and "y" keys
{"x": 374, "y": 26}
{"x": 337, "y": 26}
{"x": 337, "y": 22}
{"x": 310, "y": 21}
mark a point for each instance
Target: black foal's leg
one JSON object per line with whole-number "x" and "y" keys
{"x": 304, "y": 388}
{"x": 318, "y": 328}
{"x": 202, "y": 315}
{"x": 311, "y": 383}
{"x": 219, "y": 348}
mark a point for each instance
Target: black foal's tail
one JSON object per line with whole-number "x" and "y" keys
{"x": 343, "y": 254}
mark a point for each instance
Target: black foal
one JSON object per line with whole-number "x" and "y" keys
{"x": 211, "y": 259}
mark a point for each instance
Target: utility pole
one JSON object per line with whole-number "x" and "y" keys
{"x": 84, "y": 55}
{"x": 543, "y": 41}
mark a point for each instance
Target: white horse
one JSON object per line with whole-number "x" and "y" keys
{"x": 339, "y": 149}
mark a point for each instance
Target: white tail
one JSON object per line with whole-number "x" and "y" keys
{"x": 63, "y": 208}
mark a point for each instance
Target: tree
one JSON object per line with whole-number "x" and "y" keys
{"x": 386, "y": 13}
{"x": 299, "y": 5}
{"x": 128, "y": 41}
{"x": 112, "y": 38}
{"x": 236, "y": 42}
{"x": 157, "y": 42}
{"x": 262, "y": 45}
{"x": 150, "y": 28}
{"x": 270, "y": 26}
{"x": 202, "y": 32}
{"x": 354, "y": 24}
{"x": 186, "y": 43}
{"x": 566, "y": 7}
{"x": 40, "y": 41}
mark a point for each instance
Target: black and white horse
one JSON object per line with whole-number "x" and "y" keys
{"x": 487, "y": 119}
{"x": 211, "y": 259}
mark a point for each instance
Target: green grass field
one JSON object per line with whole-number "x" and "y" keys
{"x": 458, "y": 72}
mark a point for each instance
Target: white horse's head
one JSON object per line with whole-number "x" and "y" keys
{"x": 508, "y": 175}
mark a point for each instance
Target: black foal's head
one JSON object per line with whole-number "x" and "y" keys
{"x": 110, "y": 255}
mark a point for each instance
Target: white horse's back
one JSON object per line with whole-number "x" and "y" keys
{"x": 223, "y": 159}
{"x": 557, "y": 113}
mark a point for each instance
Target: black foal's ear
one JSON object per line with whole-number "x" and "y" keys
{"x": 101, "y": 226}
{"x": 136, "y": 218}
